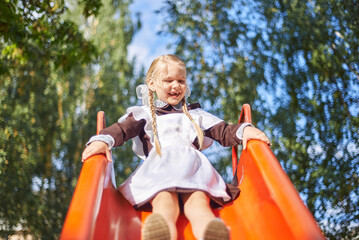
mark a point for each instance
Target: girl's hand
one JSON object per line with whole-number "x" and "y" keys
{"x": 250, "y": 133}
{"x": 96, "y": 147}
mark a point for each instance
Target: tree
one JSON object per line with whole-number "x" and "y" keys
{"x": 110, "y": 80}
{"x": 47, "y": 104}
{"x": 319, "y": 43}
{"x": 296, "y": 63}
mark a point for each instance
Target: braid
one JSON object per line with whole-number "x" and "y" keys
{"x": 198, "y": 129}
{"x": 154, "y": 125}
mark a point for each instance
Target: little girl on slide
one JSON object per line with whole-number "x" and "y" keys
{"x": 169, "y": 135}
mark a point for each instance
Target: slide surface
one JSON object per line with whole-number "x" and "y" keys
{"x": 269, "y": 207}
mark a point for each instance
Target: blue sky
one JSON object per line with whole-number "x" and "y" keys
{"x": 147, "y": 44}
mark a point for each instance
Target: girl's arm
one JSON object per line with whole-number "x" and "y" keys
{"x": 113, "y": 136}
{"x": 234, "y": 134}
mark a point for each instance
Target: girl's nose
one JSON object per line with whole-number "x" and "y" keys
{"x": 176, "y": 84}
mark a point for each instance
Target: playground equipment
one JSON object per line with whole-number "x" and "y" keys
{"x": 268, "y": 208}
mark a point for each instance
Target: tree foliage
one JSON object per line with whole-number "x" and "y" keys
{"x": 111, "y": 80}
{"x": 296, "y": 63}
{"x": 55, "y": 73}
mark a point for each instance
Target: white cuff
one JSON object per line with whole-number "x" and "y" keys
{"x": 240, "y": 130}
{"x": 108, "y": 139}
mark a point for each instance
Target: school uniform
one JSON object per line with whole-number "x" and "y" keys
{"x": 181, "y": 168}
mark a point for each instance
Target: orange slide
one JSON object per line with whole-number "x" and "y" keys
{"x": 269, "y": 207}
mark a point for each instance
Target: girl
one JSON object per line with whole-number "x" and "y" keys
{"x": 169, "y": 134}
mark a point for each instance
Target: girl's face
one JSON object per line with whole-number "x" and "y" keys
{"x": 170, "y": 87}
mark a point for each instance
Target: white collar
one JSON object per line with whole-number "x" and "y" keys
{"x": 161, "y": 104}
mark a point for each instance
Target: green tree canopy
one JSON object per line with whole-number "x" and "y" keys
{"x": 296, "y": 63}
{"x": 56, "y": 70}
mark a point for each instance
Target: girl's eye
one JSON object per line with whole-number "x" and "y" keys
{"x": 168, "y": 81}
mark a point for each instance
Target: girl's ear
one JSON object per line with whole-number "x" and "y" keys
{"x": 151, "y": 85}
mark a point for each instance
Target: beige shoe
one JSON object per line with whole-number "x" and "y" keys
{"x": 216, "y": 230}
{"x": 155, "y": 228}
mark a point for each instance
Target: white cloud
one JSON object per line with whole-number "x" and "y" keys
{"x": 147, "y": 44}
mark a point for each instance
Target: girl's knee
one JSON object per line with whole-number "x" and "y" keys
{"x": 165, "y": 200}
{"x": 197, "y": 201}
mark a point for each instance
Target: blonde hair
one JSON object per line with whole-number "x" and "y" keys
{"x": 157, "y": 69}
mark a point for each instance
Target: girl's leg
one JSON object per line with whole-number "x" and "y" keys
{"x": 198, "y": 212}
{"x": 204, "y": 223}
{"x": 166, "y": 204}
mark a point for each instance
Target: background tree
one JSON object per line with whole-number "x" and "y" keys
{"x": 110, "y": 81}
{"x": 296, "y": 63}
{"x": 53, "y": 78}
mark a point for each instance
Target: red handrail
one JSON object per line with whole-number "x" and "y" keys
{"x": 101, "y": 123}
{"x": 244, "y": 117}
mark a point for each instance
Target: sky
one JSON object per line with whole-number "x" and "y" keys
{"x": 147, "y": 44}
